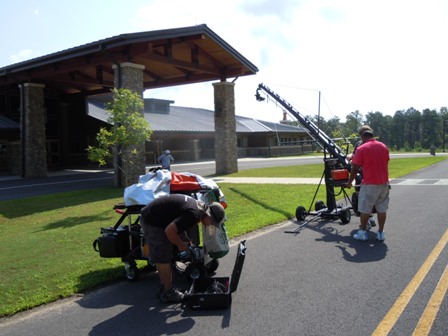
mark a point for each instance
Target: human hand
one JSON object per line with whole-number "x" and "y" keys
{"x": 348, "y": 184}
{"x": 185, "y": 256}
{"x": 195, "y": 253}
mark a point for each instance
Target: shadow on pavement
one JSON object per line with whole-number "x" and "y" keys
{"x": 135, "y": 309}
{"x": 352, "y": 250}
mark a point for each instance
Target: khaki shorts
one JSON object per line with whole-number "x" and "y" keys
{"x": 373, "y": 195}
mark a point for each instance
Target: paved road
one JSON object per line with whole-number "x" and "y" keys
{"x": 67, "y": 180}
{"x": 316, "y": 282}
{"x": 13, "y": 187}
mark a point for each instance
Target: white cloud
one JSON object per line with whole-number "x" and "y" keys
{"x": 368, "y": 56}
{"x": 23, "y": 55}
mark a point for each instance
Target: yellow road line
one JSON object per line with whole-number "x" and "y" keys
{"x": 432, "y": 308}
{"x": 400, "y": 304}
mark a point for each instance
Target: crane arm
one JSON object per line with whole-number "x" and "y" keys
{"x": 320, "y": 137}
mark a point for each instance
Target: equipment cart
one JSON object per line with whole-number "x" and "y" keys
{"x": 125, "y": 239}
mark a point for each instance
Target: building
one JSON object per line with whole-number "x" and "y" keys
{"x": 47, "y": 95}
{"x": 189, "y": 132}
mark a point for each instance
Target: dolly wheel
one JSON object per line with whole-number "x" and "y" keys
{"x": 131, "y": 271}
{"x": 212, "y": 266}
{"x": 345, "y": 216}
{"x": 198, "y": 271}
{"x": 319, "y": 205}
{"x": 300, "y": 213}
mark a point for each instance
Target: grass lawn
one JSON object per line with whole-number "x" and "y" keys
{"x": 46, "y": 242}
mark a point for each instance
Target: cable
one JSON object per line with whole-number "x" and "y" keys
{"x": 216, "y": 288}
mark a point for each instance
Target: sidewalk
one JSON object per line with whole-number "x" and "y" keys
{"x": 219, "y": 179}
{"x": 267, "y": 180}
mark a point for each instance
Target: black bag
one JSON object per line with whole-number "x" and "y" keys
{"x": 114, "y": 243}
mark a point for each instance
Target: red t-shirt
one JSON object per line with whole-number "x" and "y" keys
{"x": 373, "y": 157}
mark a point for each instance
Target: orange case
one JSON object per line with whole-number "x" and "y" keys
{"x": 339, "y": 174}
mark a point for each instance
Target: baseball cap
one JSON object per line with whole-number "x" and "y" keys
{"x": 364, "y": 128}
{"x": 216, "y": 212}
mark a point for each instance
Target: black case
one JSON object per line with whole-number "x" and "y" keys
{"x": 216, "y": 292}
{"x": 114, "y": 242}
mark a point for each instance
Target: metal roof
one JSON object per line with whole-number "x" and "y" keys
{"x": 171, "y": 57}
{"x": 8, "y": 124}
{"x": 196, "y": 120}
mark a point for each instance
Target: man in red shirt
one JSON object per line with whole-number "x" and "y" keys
{"x": 373, "y": 157}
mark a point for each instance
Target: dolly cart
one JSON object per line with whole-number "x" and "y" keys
{"x": 125, "y": 239}
{"x": 336, "y": 168}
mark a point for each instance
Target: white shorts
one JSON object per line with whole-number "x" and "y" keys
{"x": 373, "y": 196}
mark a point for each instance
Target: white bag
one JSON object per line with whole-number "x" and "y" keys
{"x": 215, "y": 240}
{"x": 148, "y": 188}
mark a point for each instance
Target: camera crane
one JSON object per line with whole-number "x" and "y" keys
{"x": 337, "y": 166}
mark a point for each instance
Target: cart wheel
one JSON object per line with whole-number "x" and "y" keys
{"x": 196, "y": 271}
{"x": 131, "y": 271}
{"x": 319, "y": 205}
{"x": 345, "y": 216}
{"x": 212, "y": 266}
{"x": 355, "y": 204}
{"x": 300, "y": 213}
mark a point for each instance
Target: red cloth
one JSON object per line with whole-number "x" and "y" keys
{"x": 182, "y": 182}
{"x": 373, "y": 157}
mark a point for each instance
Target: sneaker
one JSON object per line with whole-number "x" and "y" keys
{"x": 360, "y": 235}
{"x": 380, "y": 236}
{"x": 172, "y": 295}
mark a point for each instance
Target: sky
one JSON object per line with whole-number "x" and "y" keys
{"x": 356, "y": 55}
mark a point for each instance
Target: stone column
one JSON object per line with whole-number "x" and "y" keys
{"x": 129, "y": 76}
{"x": 226, "y": 151}
{"x": 33, "y": 131}
{"x": 194, "y": 147}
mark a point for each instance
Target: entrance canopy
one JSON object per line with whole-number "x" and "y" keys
{"x": 171, "y": 57}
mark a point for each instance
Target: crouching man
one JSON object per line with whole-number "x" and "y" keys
{"x": 164, "y": 222}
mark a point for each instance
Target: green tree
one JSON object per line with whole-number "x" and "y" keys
{"x": 124, "y": 142}
{"x": 354, "y": 121}
{"x": 334, "y": 124}
{"x": 431, "y": 128}
{"x": 398, "y": 121}
{"x": 380, "y": 125}
{"x": 411, "y": 128}
{"x": 444, "y": 120}
{"x": 320, "y": 122}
